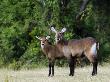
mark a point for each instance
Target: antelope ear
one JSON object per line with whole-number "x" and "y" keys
{"x": 53, "y": 29}
{"x": 38, "y": 37}
{"x": 47, "y": 37}
{"x": 63, "y": 30}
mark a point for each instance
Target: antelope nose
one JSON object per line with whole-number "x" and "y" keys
{"x": 42, "y": 44}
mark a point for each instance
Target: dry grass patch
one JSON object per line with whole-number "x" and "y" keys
{"x": 61, "y": 75}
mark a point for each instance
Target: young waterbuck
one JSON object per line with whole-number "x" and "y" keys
{"x": 77, "y": 48}
{"x": 51, "y": 52}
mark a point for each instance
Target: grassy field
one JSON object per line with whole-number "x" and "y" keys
{"x": 61, "y": 75}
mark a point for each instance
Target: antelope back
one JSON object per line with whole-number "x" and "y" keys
{"x": 85, "y": 45}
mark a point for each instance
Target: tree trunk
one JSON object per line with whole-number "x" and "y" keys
{"x": 82, "y": 9}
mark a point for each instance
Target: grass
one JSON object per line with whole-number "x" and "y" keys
{"x": 61, "y": 75}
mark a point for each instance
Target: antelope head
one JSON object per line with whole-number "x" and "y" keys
{"x": 43, "y": 40}
{"x": 58, "y": 34}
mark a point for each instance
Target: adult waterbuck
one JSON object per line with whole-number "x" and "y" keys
{"x": 77, "y": 48}
{"x": 51, "y": 52}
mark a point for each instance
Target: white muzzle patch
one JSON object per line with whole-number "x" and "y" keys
{"x": 42, "y": 45}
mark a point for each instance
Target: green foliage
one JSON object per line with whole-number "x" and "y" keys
{"x": 22, "y": 20}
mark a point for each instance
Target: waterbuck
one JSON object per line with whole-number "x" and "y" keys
{"x": 77, "y": 48}
{"x": 51, "y": 52}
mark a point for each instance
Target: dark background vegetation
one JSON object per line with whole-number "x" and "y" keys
{"x": 22, "y": 20}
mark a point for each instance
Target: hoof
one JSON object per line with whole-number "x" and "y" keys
{"x": 71, "y": 74}
{"x": 93, "y": 74}
{"x": 50, "y": 75}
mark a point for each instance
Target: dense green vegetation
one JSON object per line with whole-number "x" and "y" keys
{"x": 22, "y": 20}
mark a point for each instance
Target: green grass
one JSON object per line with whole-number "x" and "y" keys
{"x": 61, "y": 75}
